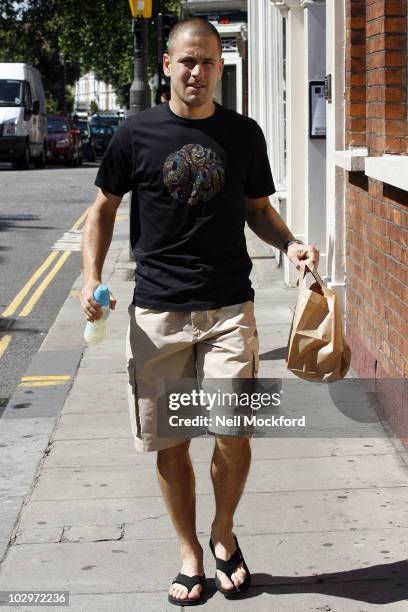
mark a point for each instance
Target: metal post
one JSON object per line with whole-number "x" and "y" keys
{"x": 139, "y": 95}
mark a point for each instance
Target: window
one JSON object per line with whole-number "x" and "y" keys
{"x": 11, "y": 92}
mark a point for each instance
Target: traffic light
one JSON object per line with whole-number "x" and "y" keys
{"x": 141, "y": 8}
{"x": 165, "y": 22}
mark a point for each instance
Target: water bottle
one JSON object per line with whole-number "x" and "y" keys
{"x": 95, "y": 332}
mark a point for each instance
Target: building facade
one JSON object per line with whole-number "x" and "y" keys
{"x": 229, "y": 17}
{"x": 328, "y": 84}
{"x": 88, "y": 89}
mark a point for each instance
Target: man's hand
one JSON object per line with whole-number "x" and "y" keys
{"x": 96, "y": 240}
{"x": 90, "y": 307}
{"x": 301, "y": 254}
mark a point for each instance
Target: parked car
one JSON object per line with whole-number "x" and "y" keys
{"x": 102, "y": 128}
{"x": 88, "y": 140}
{"x": 23, "y": 122}
{"x": 64, "y": 141}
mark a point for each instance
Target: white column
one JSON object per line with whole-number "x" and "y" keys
{"x": 295, "y": 132}
{"x": 315, "y": 149}
{"x": 335, "y": 61}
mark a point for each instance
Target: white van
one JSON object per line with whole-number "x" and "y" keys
{"x": 23, "y": 120}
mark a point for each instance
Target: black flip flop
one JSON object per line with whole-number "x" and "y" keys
{"x": 189, "y": 582}
{"x": 228, "y": 568}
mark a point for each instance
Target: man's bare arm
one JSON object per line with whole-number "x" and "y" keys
{"x": 267, "y": 223}
{"x": 96, "y": 241}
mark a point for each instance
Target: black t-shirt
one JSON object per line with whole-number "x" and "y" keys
{"x": 189, "y": 179}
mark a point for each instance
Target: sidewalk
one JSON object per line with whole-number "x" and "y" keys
{"x": 323, "y": 522}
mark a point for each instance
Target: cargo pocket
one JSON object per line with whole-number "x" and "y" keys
{"x": 133, "y": 400}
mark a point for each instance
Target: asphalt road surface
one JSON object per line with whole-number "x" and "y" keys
{"x": 37, "y": 207}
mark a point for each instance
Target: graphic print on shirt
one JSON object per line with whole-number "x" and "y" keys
{"x": 193, "y": 173}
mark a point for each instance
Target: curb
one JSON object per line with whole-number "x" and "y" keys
{"x": 32, "y": 414}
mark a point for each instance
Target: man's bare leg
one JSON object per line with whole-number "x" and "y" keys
{"x": 229, "y": 469}
{"x": 177, "y": 481}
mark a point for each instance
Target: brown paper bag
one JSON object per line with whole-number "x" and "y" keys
{"x": 317, "y": 349}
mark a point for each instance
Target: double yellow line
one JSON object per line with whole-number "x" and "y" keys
{"x": 16, "y": 302}
{"x": 43, "y": 381}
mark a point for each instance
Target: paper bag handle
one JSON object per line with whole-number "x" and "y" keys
{"x": 313, "y": 271}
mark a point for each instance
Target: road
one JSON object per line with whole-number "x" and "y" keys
{"x": 37, "y": 207}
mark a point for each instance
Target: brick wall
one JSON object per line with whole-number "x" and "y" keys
{"x": 376, "y": 213}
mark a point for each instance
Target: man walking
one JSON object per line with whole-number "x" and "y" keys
{"x": 197, "y": 172}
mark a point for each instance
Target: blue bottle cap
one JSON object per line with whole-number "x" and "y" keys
{"x": 101, "y": 295}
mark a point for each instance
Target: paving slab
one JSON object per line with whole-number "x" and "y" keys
{"x": 302, "y": 474}
{"x": 272, "y": 599}
{"x": 10, "y": 508}
{"x": 279, "y": 512}
{"x": 113, "y": 451}
{"x": 22, "y": 447}
{"x": 323, "y": 522}
{"x": 109, "y": 566}
{"x": 91, "y": 426}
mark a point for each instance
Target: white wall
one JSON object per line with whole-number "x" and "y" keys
{"x": 315, "y": 149}
{"x": 88, "y": 88}
{"x": 335, "y": 219}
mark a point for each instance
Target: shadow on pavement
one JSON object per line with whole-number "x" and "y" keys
{"x": 379, "y": 584}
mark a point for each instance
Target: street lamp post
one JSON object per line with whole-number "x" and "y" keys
{"x": 139, "y": 95}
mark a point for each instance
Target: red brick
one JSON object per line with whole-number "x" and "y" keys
{"x": 355, "y": 7}
{"x": 386, "y": 59}
{"x": 356, "y": 64}
{"x": 386, "y": 76}
{"x": 380, "y": 225}
{"x": 394, "y": 94}
{"x": 397, "y": 323}
{"x": 374, "y": 11}
{"x": 375, "y": 126}
{"x": 394, "y": 145}
{"x": 395, "y": 59}
{"x": 395, "y": 24}
{"x": 356, "y": 22}
{"x": 400, "y": 272}
{"x": 376, "y": 60}
{"x": 355, "y": 37}
{"x": 375, "y": 109}
{"x": 403, "y": 218}
{"x": 356, "y": 79}
{"x": 355, "y": 125}
{"x": 398, "y": 234}
{"x": 380, "y": 208}
{"x": 375, "y": 143}
{"x": 398, "y": 252}
{"x": 357, "y": 51}
{"x": 395, "y": 286}
{"x": 357, "y": 110}
{"x": 398, "y": 306}
{"x": 395, "y": 7}
{"x": 375, "y": 27}
{"x": 395, "y": 111}
{"x": 357, "y": 94}
{"x": 395, "y": 76}
{"x": 396, "y": 128}
{"x": 375, "y": 93}
{"x": 394, "y": 41}
{"x": 356, "y": 139}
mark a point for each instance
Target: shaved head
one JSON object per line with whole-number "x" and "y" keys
{"x": 195, "y": 26}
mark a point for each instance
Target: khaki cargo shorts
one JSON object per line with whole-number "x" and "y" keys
{"x": 202, "y": 345}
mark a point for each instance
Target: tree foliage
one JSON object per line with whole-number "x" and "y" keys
{"x": 66, "y": 38}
